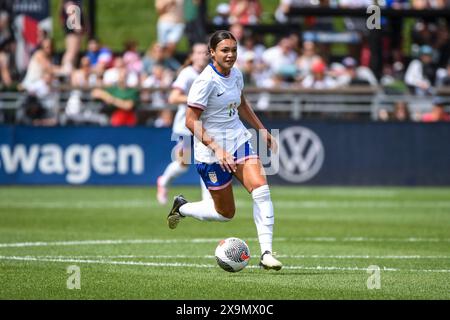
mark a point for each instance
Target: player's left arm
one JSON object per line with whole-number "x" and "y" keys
{"x": 246, "y": 112}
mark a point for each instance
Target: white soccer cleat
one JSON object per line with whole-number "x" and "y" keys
{"x": 161, "y": 193}
{"x": 269, "y": 262}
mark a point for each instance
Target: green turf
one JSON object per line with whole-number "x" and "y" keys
{"x": 343, "y": 230}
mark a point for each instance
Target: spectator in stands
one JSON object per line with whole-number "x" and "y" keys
{"x": 6, "y": 32}
{"x": 428, "y": 4}
{"x": 245, "y": 12}
{"x": 443, "y": 76}
{"x": 156, "y": 54}
{"x": 40, "y": 64}
{"x": 41, "y": 103}
{"x": 73, "y": 32}
{"x": 112, "y": 75}
{"x": 100, "y": 57}
{"x": 120, "y": 102}
{"x": 401, "y": 112}
{"x": 250, "y": 61}
{"x": 421, "y": 72}
{"x": 222, "y": 17}
{"x": 6, "y": 42}
{"x": 281, "y": 58}
{"x": 352, "y": 74}
{"x": 318, "y": 79}
{"x": 437, "y": 112}
{"x": 392, "y": 79}
{"x": 170, "y": 23}
{"x": 306, "y": 59}
{"x": 131, "y": 57}
{"x": 5, "y": 74}
{"x": 83, "y": 77}
{"x": 249, "y": 69}
{"x": 249, "y": 44}
{"x": 383, "y": 115}
{"x": 269, "y": 82}
{"x": 157, "y": 80}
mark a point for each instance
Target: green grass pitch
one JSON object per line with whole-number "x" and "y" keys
{"x": 326, "y": 238}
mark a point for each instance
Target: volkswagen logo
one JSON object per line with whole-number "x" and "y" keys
{"x": 301, "y": 154}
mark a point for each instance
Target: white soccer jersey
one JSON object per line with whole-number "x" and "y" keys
{"x": 219, "y": 97}
{"x": 183, "y": 82}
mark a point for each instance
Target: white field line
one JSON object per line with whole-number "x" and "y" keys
{"x": 214, "y": 240}
{"x": 393, "y": 257}
{"x": 130, "y": 263}
{"x": 195, "y": 265}
{"x": 282, "y": 204}
{"x": 112, "y": 242}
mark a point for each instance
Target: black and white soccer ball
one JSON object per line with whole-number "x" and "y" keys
{"x": 232, "y": 254}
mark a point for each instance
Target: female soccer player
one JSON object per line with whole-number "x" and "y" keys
{"x": 193, "y": 66}
{"x": 222, "y": 149}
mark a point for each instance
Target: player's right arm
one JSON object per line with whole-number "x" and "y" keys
{"x": 194, "y": 124}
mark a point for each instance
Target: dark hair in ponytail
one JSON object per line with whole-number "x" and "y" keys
{"x": 218, "y": 36}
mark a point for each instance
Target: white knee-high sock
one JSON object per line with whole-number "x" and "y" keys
{"x": 263, "y": 216}
{"x": 206, "y": 195}
{"x": 173, "y": 170}
{"x": 202, "y": 210}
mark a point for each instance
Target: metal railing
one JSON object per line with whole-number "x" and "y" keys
{"x": 297, "y": 102}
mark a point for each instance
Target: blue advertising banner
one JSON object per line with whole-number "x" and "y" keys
{"x": 373, "y": 153}
{"x": 311, "y": 153}
{"x": 94, "y": 156}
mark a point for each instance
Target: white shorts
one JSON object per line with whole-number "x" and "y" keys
{"x": 169, "y": 32}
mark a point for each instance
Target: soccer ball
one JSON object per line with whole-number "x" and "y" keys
{"x": 232, "y": 254}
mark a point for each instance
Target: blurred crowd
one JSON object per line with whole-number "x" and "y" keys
{"x": 120, "y": 81}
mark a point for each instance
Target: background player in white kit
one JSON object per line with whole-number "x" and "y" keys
{"x": 222, "y": 148}
{"x": 190, "y": 70}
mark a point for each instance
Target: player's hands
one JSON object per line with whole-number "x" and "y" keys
{"x": 226, "y": 160}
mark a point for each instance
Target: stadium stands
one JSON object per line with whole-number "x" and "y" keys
{"x": 296, "y": 74}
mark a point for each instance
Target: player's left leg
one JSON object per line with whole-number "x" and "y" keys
{"x": 250, "y": 173}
